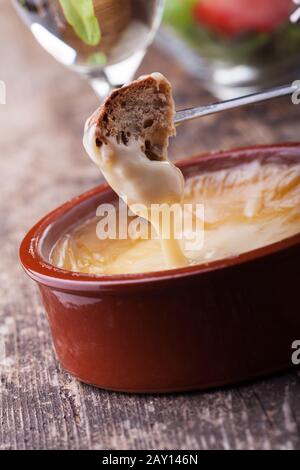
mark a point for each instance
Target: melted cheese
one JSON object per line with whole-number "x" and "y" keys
{"x": 140, "y": 181}
{"x": 245, "y": 208}
{"x": 135, "y": 178}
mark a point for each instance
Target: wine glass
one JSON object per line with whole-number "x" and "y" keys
{"x": 103, "y": 40}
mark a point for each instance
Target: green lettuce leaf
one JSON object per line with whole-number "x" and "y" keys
{"x": 179, "y": 13}
{"x": 80, "y": 15}
{"x": 97, "y": 58}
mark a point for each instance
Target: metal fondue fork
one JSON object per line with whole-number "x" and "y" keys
{"x": 200, "y": 111}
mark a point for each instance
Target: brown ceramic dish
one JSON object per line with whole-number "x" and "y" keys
{"x": 189, "y": 328}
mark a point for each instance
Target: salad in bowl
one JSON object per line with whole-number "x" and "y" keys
{"x": 253, "y": 42}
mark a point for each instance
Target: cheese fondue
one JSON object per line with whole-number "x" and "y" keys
{"x": 246, "y": 207}
{"x": 139, "y": 181}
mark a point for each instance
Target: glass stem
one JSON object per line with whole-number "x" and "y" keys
{"x": 101, "y": 86}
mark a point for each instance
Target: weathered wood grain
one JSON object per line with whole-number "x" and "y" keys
{"x": 43, "y": 164}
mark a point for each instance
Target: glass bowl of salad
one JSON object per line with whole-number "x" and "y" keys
{"x": 235, "y": 46}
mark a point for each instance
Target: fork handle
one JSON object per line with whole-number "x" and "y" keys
{"x": 195, "y": 113}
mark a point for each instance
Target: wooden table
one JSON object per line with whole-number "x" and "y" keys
{"x": 42, "y": 165}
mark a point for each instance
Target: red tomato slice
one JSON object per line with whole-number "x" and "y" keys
{"x": 233, "y": 17}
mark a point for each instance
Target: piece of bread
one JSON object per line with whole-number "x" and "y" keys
{"x": 143, "y": 110}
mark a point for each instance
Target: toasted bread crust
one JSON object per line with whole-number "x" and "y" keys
{"x": 143, "y": 110}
